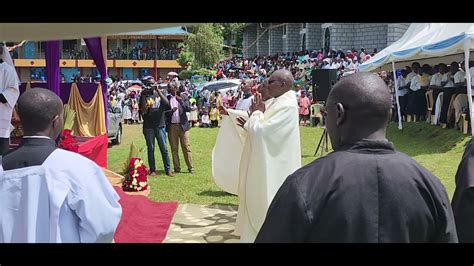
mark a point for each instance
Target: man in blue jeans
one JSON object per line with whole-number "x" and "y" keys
{"x": 153, "y": 105}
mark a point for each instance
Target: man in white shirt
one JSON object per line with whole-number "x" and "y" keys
{"x": 410, "y": 75}
{"x": 435, "y": 82}
{"x": 402, "y": 91}
{"x": 471, "y": 72}
{"x": 246, "y": 99}
{"x": 9, "y": 92}
{"x": 459, "y": 75}
{"x": 83, "y": 207}
{"x": 416, "y": 97}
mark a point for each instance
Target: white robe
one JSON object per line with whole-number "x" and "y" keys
{"x": 244, "y": 104}
{"x": 9, "y": 87}
{"x": 437, "y": 114}
{"x": 67, "y": 199}
{"x": 269, "y": 152}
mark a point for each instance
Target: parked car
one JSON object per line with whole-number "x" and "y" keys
{"x": 222, "y": 85}
{"x": 114, "y": 128}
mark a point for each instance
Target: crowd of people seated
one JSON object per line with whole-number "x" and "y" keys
{"x": 435, "y": 94}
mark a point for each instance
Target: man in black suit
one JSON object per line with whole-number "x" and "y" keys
{"x": 177, "y": 126}
{"x": 40, "y": 131}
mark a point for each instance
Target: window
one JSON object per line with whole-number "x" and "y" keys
{"x": 41, "y": 46}
{"x": 38, "y": 73}
{"x": 284, "y": 29}
{"x": 126, "y": 43}
{"x": 304, "y": 25}
{"x": 70, "y": 45}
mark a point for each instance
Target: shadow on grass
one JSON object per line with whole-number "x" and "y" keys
{"x": 214, "y": 193}
{"x": 423, "y": 138}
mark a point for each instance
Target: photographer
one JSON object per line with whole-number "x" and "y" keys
{"x": 153, "y": 105}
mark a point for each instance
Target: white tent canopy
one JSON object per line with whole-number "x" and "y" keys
{"x": 17, "y": 32}
{"x": 428, "y": 43}
{"x": 425, "y": 41}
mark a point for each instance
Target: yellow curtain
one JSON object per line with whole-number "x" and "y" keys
{"x": 90, "y": 117}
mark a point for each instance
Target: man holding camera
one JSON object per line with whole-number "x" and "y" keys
{"x": 153, "y": 105}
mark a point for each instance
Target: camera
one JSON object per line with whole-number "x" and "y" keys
{"x": 148, "y": 89}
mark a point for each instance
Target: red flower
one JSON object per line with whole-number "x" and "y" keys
{"x": 68, "y": 142}
{"x": 140, "y": 170}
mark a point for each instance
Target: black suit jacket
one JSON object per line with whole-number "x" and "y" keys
{"x": 31, "y": 152}
{"x": 183, "y": 107}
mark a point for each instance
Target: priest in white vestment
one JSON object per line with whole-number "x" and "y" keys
{"x": 9, "y": 92}
{"x": 50, "y": 195}
{"x": 254, "y": 154}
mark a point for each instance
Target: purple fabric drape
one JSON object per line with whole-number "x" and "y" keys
{"x": 94, "y": 46}
{"x": 87, "y": 90}
{"x": 52, "y": 54}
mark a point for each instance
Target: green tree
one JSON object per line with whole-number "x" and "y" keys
{"x": 233, "y": 33}
{"x": 205, "y": 43}
{"x": 186, "y": 57}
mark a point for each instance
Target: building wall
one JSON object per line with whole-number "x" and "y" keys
{"x": 112, "y": 72}
{"x": 127, "y": 73}
{"x": 293, "y": 37}
{"x": 344, "y": 36}
{"x": 69, "y": 72}
{"x": 314, "y": 36}
{"x": 276, "y": 41}
{"x": 86, "y": 71}
{"x": 370, "y": 36}
{"x": 263, "y": 40}
{"x": 250, "y": 45}
{"x": 25, "y": 74}
{"x": 395, "y": 31}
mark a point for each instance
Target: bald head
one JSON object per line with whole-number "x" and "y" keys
{"x": 286, "y": 82}
{"x": 363, "y": 107}
{"x": 366, "y": 95}
{"x": 40, "y": 110}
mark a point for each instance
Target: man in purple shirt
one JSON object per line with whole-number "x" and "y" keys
{"x": 177, "y": 125}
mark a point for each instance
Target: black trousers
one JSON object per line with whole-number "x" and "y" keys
{"x": 4, "y": 146}
{"x": 403, "y": 101}
{"x": 448, "y": 93}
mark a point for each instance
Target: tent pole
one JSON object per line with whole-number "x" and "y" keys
{"x": 400, "y": 127}
{"x": 468, "y": 82}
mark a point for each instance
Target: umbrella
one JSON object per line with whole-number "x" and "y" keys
{"x": 135, "y": 88}
{"x": 172, "y": 74}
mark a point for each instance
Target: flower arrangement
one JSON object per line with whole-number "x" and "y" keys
{"x": 67, "y": 141}
{"x": 135, "y": 172}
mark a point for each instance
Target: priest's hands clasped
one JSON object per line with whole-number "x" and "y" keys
{"x": 257, "y": 104}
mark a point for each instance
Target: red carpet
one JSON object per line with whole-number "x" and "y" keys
{"x": 143, "y": 220}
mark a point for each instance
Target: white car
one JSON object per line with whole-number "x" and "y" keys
{"x": 222, "y": 85}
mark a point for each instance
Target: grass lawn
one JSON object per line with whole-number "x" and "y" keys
{"x": 439, "y": 150}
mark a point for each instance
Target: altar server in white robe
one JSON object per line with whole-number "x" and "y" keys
{"x": 253, "y": 154}
{"x": 70, "y": 199}
{"x": 9, "y": 92}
